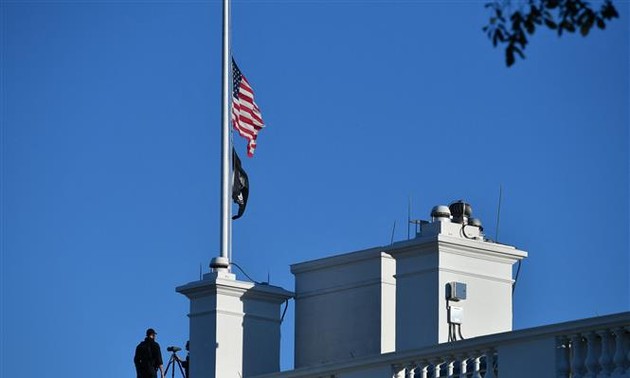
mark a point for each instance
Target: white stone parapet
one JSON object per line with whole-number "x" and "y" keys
{"x": 595, "y": 347}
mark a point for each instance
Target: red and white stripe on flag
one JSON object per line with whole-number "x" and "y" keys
{"x": 246, "y": 117}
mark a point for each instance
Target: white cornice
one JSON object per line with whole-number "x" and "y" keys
{"x": 234, "y": 288}
{"x": 414, "y": 246}
{"x": 339, "y": 260}
{"x": 471, "y": 248}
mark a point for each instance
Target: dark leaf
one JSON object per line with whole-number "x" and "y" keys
{"x": 613, "y": 12}
{"x": 550, "y": 24}
{"x": 550, "y": 4}
{"x": 568, "y": 26}
{"x": 520, "y": 53}
{"x": 535, "y": 12}
{"x": 529, "y": 26}
{"x": 601, "y": 24}
{"x": 579, "y": 4}
{"x": 609, "y": 11}
{"x": 587, "y": 25}
{"x": 516, "y": 17}
{"x": 499, "y": 35}
{"x": 509, "y": 56}
{"x": 586, "y": 17}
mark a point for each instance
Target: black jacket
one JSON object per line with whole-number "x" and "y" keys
{"x": 147, "y": 358}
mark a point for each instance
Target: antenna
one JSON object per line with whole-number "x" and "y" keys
{"x": 393, "y": 230}
{"x": 409, "y": 218}
{"x": 496, "y": 236}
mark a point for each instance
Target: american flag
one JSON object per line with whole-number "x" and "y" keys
{"x": 246, "y": 117}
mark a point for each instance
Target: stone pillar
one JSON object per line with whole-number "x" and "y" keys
{"x": 444, "y": 253}
{"x": 234, "y": 326}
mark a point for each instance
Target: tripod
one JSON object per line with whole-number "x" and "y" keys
{"x": 174, "y": 360}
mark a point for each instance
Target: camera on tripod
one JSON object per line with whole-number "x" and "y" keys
{"x": 175, "y": 360}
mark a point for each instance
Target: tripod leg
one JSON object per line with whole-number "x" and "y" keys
{"x": 181, "y": 369}
{"x": 170, "y": 362}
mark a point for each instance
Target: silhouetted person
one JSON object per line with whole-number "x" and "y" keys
{"x": 148, "y": 357}
{"x": 186, "y": 362}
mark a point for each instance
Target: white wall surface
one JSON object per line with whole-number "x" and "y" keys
{"x": 344, "y": 307}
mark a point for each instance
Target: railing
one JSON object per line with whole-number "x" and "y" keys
{"x": 592, "y": 352}
{"x": 469, "y": 365}
{"x": 594, "y": 348}
{"x": 595, "y": 353}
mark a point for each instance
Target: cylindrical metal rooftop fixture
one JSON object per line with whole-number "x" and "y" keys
{"x": 475, "y": 222}
{"x": 441, "y": 213}
{"x": 461, "y": 211}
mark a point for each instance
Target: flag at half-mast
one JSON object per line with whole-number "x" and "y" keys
{"x": 246, "y": 117}
{"x": 240, "y": 185}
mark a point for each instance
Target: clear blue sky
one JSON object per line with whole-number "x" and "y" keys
{"x": 110, "y": 158}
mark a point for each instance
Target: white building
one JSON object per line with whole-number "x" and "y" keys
{"x": 439, "y": 305}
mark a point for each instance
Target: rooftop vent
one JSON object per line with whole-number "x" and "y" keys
{"x": 441, "y": 213}
{"x": 461, "y": 211}
{"x": 475, "y": 222}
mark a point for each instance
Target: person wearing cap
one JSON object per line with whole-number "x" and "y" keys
{"x": 148, "y": 357}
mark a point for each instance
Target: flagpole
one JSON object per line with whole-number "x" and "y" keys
{"x": 222, "y": 262}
